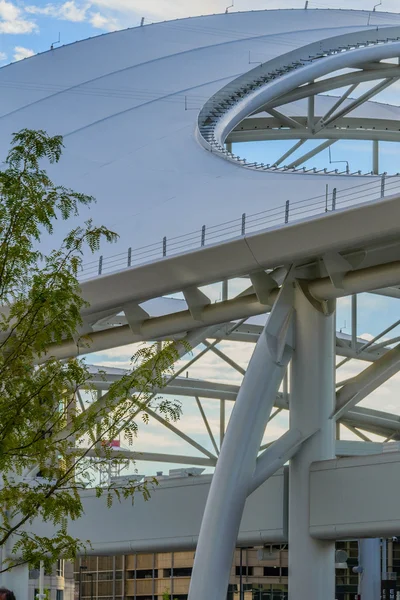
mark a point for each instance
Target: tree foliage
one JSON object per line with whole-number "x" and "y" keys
{"x": 48, "y": 445}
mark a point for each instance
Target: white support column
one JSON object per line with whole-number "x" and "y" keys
{"x": 370, "y": 561}
{"x": 312, "y": 402}
{"x": 237, "y": 460}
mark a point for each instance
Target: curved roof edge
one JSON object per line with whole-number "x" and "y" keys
{"x": 181, "y": 19}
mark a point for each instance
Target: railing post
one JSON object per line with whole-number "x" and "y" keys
{"x": 203, "y": 235}
{"x": 334, "y": 192}
{"x": 383, "y": 182}
{"x": 243, "y": 223}
{"x": 129, "y": 257}
{"x": 100, "y": 265}
{"x": 326, "y": 197}
{"x": 164, "y": 246}
{"x": 287, "y": 211}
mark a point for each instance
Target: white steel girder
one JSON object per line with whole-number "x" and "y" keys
{"x": 362, "y": 280}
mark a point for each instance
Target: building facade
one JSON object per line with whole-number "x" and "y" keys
{"x": 152, "y": 576}
{"x": 262, "y": 574}
{"x": 58, "y": 584}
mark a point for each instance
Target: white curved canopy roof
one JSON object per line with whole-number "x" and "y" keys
{"x": 127, "y": 105}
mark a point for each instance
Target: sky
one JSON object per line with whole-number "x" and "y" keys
{"x": 31, "y": 26}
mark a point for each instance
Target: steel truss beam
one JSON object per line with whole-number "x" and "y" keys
{"x": 284, "y": 120}
{"x": 337, "y": 105}
{"x": 310, "y": 154}
{"x": 359, "y": 101}
{"x": 207, "y": 425}
{"x": 344, "y": 131}
{"x": 331, "y": 83}
{"x": 180, "y": 434}
{"x": 191, "y": 341}
{"x": 367, "y": 381}
{"x": 282, "y": 158}
{"x": 179, "y": 459}
{"x": 362, "y": 280}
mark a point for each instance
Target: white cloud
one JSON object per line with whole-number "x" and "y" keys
{"x": 12, "y": 20}
{"x": 67, "y": 11}
{"x": 20, "y": 52}
{"x": 99, "y": 21}
{"x": 3, "y": 56}
{"x": 71, "y": 12}
{"x": 8, "y": 11}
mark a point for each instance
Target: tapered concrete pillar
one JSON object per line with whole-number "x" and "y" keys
{"x": 370, "y": 561}
{"x": 312, "y": 401}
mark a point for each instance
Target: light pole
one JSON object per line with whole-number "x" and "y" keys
{"x": 91, "y": 575}
{"x": 81, "y": 568}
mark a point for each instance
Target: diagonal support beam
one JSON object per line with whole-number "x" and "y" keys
{"x": 224, "y": 357}
{"x": 192, "y": 340}
{"x": 284, "y": 119}
{"x": 180, "y": 433}
{"x": 359, "y": 434}
{"x": 359, "y": 101}
{"x": 206, "y": 423}
{"x": 276, "y": 455}
{"x": 334, "y": 108}
{"x": 367, "y": 381}
{"x": 282, "y": 158}
{"x": 311, "y": 154}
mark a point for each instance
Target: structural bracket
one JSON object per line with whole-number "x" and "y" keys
{"x": 337, "y": 267}
{"x": 276, "y": 455}
{"x": 279, "y": 330}
{"x": 135, "y": 315}
{"x": 263, "y": 285}
{"x": 196, "y": 302}
{"x": 327, "y": 307}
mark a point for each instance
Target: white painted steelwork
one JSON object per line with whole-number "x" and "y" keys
{"x": 133, "y": 107}
{"x": 311, "y": 404}
{"x": 237, "y": 460}
{"x": 369, "y": 560}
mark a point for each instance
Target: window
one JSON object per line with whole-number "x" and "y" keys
{"x": 271, "y": 571}
{"x": 183, "y": 572}
{"x": 60, "y": 569}
{"x": 60, "y": 595}
{"x": 246, "y": 571}
{"x": 146, "y": 573}
{"x": 105, "y": 576}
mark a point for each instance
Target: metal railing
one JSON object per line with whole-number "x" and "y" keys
{"x": 235, "y": 91}
{"x": 290, "y": 212}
